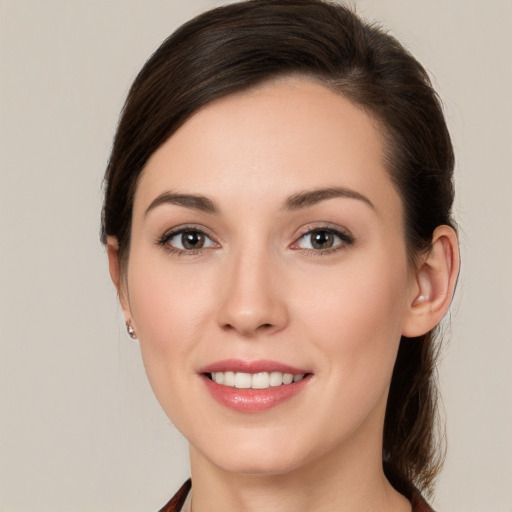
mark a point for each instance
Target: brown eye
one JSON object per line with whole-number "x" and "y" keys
{"x": 185, "y": 240}
{"x": 192, "y": 240}
{"x": 323, "y": 239}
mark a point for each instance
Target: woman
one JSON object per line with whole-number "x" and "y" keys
{"x": 278, "y": 223}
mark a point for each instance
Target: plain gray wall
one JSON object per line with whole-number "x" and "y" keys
{"x": 79, "y": 427}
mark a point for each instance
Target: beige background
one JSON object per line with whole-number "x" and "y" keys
{"x": 79, "y": 427}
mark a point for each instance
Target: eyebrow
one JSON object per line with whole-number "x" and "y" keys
{"x": 311, "y": 197}
{"x": 296, "y": 201}
{"x": 195, "y": 202}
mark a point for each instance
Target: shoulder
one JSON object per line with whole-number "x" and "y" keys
{"x": 403, "y": 486}
{"x": 178, "y": 499}
{"x": 419, "y": 503}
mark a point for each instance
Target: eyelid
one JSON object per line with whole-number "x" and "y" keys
{"x": 177, "y": 230}
{"x": 343, "y": 233}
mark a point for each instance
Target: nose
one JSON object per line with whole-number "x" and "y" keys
{"x": 252, "y": 296}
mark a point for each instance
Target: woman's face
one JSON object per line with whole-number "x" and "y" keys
{"x": 267, "y": 246}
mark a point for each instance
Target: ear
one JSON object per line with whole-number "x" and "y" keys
{"x": 114, "y": 265}
{"x": 436, "y": 277}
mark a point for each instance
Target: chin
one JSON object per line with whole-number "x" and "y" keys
{"x": 257, "y": 456}
{"x": 270, "y": 464}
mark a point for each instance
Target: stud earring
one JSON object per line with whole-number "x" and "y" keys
{"x": 131, "y": 330}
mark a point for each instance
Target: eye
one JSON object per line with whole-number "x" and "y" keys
{"x": 187, "y": 240}
{"x": 323, "y": 239}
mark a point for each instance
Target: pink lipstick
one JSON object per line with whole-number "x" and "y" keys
{"x": 253, "y": 386}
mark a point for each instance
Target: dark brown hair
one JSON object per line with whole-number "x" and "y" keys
{"x": 241, "y": 45}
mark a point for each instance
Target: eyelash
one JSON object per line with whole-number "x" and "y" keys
{"x": 345, "y": 238}
{"x": 164, "y": 240}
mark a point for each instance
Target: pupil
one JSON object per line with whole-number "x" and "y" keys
{"x": 322, "y": 240}
{"x": 192, "y": 240}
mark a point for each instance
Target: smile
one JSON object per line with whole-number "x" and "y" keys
{"x": 253, "y": 386}
{"x": 261, "y": 380}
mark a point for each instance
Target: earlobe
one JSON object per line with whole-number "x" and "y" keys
{"x": 436, "y": 277}
{"x": 114, "y": 266}
{"x": 421, "y": 298}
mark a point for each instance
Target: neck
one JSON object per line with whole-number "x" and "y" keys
{"x": 350, "y": 480}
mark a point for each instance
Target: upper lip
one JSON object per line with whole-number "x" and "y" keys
{"x": 257, "y": 366}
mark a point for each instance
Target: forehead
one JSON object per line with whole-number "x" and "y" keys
{"x": 269, "y": 142}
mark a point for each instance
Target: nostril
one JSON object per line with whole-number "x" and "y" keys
{"x": 265, "y": 327}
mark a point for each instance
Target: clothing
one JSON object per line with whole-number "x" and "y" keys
{"x": 178, "y": 499}
{"x": 176, "y": 503}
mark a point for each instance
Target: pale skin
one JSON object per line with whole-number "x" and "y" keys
{"x": 243, "y": 174}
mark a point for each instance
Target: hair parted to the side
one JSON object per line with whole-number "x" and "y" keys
{"x": 241, "y": 45}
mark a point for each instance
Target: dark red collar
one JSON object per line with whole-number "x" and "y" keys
{"x": 417, "y": 501}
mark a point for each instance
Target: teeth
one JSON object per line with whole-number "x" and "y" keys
{"x": 229, "y": 379}
{"x": 261, "y": 380}
{"x": 276, "y": 379}
{"x": 287, "y": 378}
{"x": 243, "y": 380}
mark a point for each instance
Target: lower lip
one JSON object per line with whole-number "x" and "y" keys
{"x": 253, "y": 400}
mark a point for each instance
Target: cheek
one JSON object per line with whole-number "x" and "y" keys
{"x": 166, "y": 303}
{"x": 355, "y": 323}
{"x": 169, "y": 310}
{"x": 366, "y": 295}
{"x": 355, "y": 315}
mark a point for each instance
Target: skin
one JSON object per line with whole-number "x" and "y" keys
{"x": 259, "y": 290}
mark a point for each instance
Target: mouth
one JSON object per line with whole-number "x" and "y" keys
{"x": 250, "y": 387}
{"x": 260, "y": 380}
